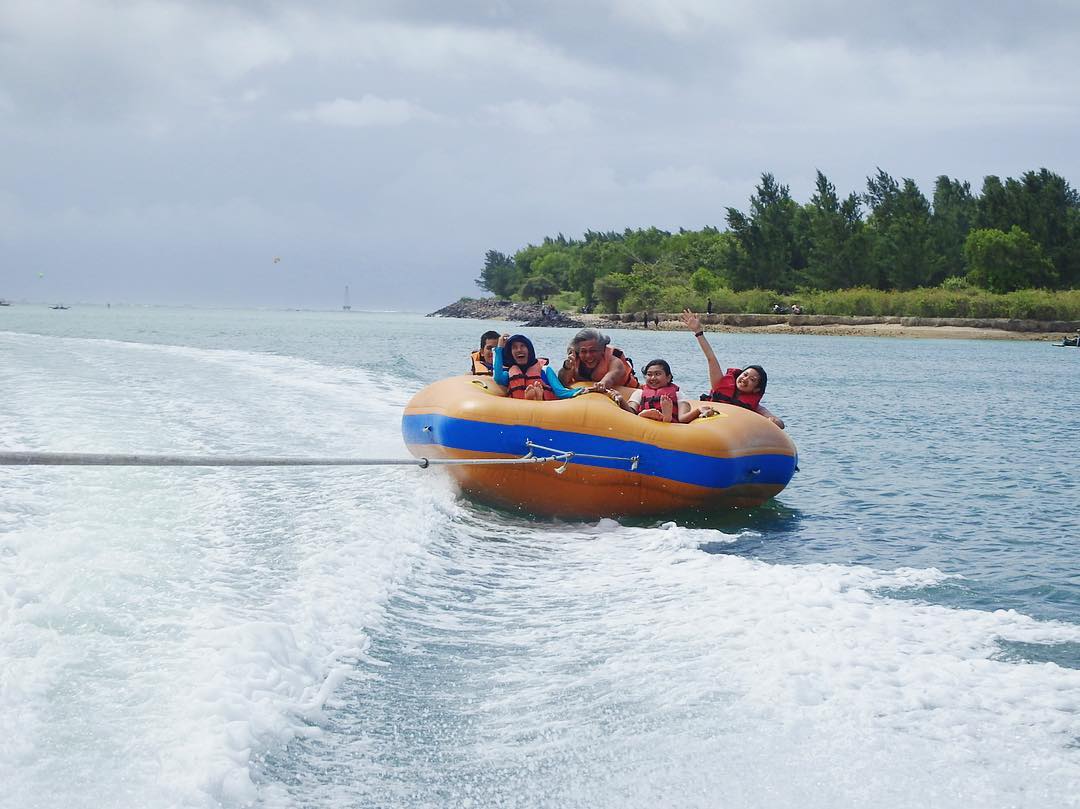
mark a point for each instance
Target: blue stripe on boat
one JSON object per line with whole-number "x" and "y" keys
{"x": 684, "y": 467}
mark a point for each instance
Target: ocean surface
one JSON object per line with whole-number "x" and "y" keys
{"x": 899, "y": 628}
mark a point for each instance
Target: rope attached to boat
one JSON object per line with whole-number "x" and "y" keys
{"x": 567, "y": 456}
{"x": 20, "y": 458}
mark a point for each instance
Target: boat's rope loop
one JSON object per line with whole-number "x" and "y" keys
{"x": 568, "y": 456}
{"x": 21, "y": 458}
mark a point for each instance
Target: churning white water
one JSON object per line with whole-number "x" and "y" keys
{"x": 361, "y": 637}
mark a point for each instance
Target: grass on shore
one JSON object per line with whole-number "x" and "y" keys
{"x": 958, "y": 300}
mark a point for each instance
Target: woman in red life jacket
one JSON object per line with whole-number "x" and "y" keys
{"x": 591, "y": 359}
{"x": 524, "y": 375}
{"x": 739, "y": 386}
{"x": 658, "y": 398}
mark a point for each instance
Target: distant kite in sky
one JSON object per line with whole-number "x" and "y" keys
{"x": 277, "y": 259}
{"x": 41, "y": 275}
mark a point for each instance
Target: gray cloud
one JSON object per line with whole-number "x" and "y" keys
{"x": 167, "y": 152}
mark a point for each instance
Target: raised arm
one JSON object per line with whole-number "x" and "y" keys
{"x": 498, "y": 370}
{"x": 693, "y": 323}
{"x": 568, "y": 368}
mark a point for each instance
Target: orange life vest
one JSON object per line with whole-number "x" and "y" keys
{"x": 602, "y": 367}
{"x": 519, "y": 380}
{"x": 729, "y": 393}
{"x": 478, "y": 366}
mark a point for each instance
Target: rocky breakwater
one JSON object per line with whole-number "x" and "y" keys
{"x": 531, "y": 315}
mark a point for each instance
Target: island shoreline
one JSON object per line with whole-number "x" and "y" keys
{"x": 828, "y": 325}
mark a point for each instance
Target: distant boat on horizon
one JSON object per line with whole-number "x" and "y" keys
{"x": 59, "y": 306}
{"x": 347, "y": 307}
{"x": 4, "y": 302}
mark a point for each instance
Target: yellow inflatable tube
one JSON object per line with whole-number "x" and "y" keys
{"x": 622, "y": 464}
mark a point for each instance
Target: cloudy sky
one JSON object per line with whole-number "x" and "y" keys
{"x": 167, "y": 152}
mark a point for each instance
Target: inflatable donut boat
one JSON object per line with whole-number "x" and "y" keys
{"x": 605, "y": 462}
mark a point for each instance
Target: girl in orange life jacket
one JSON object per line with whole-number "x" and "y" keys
{"x": 524, "y": 376}
{"x": 738, "y": 386}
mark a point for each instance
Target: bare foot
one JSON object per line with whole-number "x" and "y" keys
{"x": 665, "y": 408}
{"x": 652, "y": 413}
{"x": 534, "y": 393}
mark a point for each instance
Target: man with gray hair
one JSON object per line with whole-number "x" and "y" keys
{"x": 590, "y": 358}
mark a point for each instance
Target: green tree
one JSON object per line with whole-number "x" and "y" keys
{"x": 644, "y": 246}
{"x": 555, "y": 265}
{"x": 954, "y": 214}
{"x": 770, "y": 255}
{"x": 703, "y": 281}
{"x": 611, "y": 289}
{"x": 838, "y": 250}
{"x": 539, "y": 287}
{"x": 500, "y": 275}
{"x": 994, "y": 208}
{"x": 902, "y": 246}
{"x": 690, "y": 250}
{"x": 582, "y": 276}
{"x": 1044, "y": 206}
{"x": 1004, "y": 262}
{"x": 647, "y": 283}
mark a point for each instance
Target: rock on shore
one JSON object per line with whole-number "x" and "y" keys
{"x": 531, "y": 315}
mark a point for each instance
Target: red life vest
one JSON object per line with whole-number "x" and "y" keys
{"x": 650, "y": 397}
{"x": 602, "y": 367}
{"x": 519, "y": 380}
{"x": 729, "y": 393}
{"x": 478, "y": 366}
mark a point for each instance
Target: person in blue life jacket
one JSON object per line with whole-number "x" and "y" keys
{"x": 738, "y": 386}
{"x": 482, "y": 362}
{"x": 526, "y": 376}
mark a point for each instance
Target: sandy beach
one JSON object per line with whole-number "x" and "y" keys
{"x": 863, "y": 330}
{"x": 834, "y": 326}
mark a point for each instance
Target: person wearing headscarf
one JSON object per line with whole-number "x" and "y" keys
{"x": 524, "y": 375}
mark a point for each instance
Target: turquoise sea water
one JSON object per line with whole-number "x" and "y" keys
{"x": 900, "y": 626}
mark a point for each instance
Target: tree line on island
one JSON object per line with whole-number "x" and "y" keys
{"x": 1012, "y": 250}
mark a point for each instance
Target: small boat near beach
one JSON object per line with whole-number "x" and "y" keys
{"x": 1068, "y": 342}
{"x": 608, "y": 462}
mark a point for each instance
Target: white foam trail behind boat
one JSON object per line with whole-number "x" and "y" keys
{"x": 613, "y": 667}
{"x": 161, "y": 627}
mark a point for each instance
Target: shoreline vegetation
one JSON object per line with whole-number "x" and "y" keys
{"x": 1005, "y": 259}
{"x": 834, "y": 325}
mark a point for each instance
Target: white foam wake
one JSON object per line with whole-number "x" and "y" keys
{"x": 163, "y": 627}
